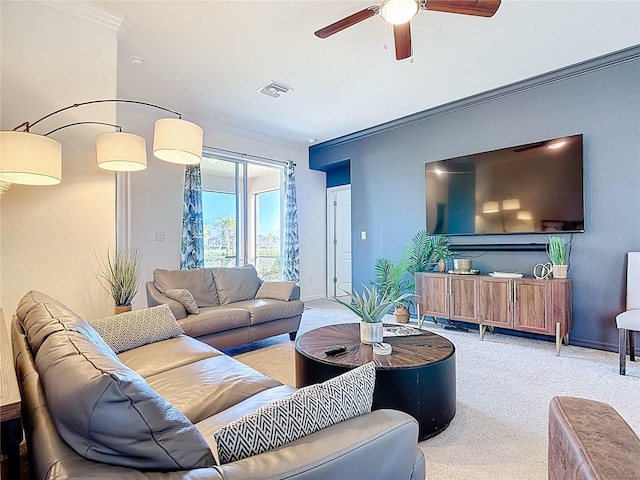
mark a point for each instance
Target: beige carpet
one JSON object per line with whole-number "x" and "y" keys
{"x": 504, "y": 385}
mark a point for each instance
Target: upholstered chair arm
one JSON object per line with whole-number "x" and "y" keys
{"x": 295, "y": 293}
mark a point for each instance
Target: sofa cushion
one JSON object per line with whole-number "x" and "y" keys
{"x": 266, "y": 310}
{"x": 208, "y": 386}
{"x": 212, "y": 424}
{"x": 108, "y": 413}
{"x": 236, "y": 284}
{"x": 198, "y": 281}
{"x": 306, "y": 411}
{"x": 215, "y": 319}
{"x": 275, "y": 290}
{"x": 184, "y": 297}
{"x": 159, "y": 357}
{"x": 41, "y": 316}
{"x": 136, "y": 328}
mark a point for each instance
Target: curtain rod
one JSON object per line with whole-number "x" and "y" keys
{"x": 245, "y": 155}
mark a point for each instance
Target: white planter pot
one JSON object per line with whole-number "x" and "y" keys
{"x": 560, "y": 271}
{"x": 371, "y": 332}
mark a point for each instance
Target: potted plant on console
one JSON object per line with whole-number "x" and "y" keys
{"x": 557, "y": 252}
{"x": 425, "y": 251}
{"x": 371, "y": 306}
{"x": 119, "y": 275}
{"x": 440, "y": 252}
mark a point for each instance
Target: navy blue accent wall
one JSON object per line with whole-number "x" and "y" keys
{"x": 340, "y": 175}
{"x": 599, "y": 98}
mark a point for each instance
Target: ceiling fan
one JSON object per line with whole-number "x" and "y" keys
{"x": 400, "y": 12}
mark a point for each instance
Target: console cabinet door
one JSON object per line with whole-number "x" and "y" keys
{"x": 432, "y": 294}
{"x": 532, "y": 306}
{"x": 463, "y": 301}
{"x": 495, "y": 306}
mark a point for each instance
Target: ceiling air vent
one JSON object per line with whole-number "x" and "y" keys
{"x": 274, "y": 89}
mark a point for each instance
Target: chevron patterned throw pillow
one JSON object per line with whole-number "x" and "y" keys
{"x": 306, "y": 411}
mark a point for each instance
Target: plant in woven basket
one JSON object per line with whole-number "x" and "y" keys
{"x": 120, "y": 273}
{"x": 557, "y": 250}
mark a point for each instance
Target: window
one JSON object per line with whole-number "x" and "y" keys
{"x": 242, "y": 205}
{"x": 219, "y": 218}
{"x": 267, "y": 228}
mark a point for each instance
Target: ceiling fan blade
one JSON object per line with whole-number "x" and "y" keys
{"x": 479, "y": 8}
{"x": 402, "y": 39}
{"x": 347, "y": 22}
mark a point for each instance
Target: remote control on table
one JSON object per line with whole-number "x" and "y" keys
{"x": 335, "y": 351}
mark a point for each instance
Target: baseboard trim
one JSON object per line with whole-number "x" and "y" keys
{"x": 312, "y": 297}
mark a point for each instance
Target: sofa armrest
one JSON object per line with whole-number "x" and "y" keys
{"x": 378, "y": 445}
{"x": 154, "y": 298}
{"x": 295, "y": 293}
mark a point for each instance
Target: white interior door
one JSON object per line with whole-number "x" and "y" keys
{"x": 338, "y": 240}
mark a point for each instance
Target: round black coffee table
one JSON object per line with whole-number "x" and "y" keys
{"x": 419, "y": 377}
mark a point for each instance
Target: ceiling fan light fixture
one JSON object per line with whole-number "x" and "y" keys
{"x": 398, "y": 12}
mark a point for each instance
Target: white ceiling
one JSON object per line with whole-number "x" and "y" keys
{"x": 207, "y": 59}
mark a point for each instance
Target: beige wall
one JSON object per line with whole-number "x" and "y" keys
{"x": 51, "y": 59}
{"x": 49, "y": 236}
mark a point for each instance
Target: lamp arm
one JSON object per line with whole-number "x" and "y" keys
{"x": 28, "y": 125}
{"x": 84, "y": 123}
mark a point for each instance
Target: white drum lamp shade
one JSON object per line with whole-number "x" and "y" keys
{"x": 121, "y": 152}
{"x": 178, "y": 141}
{"x": 30, "y": 159}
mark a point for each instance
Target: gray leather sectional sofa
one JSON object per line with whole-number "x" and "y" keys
{"x": 229, "y": 314}
{"x": 150, "y": 412}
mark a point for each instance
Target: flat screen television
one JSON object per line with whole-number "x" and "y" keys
{"x": 531, "y": 188}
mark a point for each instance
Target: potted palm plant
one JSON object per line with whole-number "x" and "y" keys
{"x": 119, "y": 275}
{"x": 370, "y": 306}
{"x": 441, "y": 252}
{"x": 393, "y": 279}
{"x": 557, "y": 252}
{"x": 425, "y": 251}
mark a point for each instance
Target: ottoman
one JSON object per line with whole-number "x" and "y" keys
{"x": 590, "y": 440}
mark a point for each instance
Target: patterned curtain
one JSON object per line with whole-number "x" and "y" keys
{"x": 291, "y": 260}
{"x": 192, "y": 246}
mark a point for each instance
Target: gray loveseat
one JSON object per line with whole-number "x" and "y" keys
{"x": 229, "y": 313}
{"x": 151, "y": 412}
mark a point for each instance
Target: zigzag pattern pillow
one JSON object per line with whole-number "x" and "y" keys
{"x": 183, "y": 296}
{"x": 138, "y": 327}
{"x": 306, "y": 411}
{"x": 278, "y": 290}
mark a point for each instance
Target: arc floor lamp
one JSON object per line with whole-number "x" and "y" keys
{"x": 36, "y": 159}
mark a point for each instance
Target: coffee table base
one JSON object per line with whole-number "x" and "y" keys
{"x": 426, "y": 392}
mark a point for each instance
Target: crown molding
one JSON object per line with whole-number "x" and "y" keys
{"x": 92, "y": 13}
{"x": 561, "y": 74}
{"x": 208, "y": 124}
